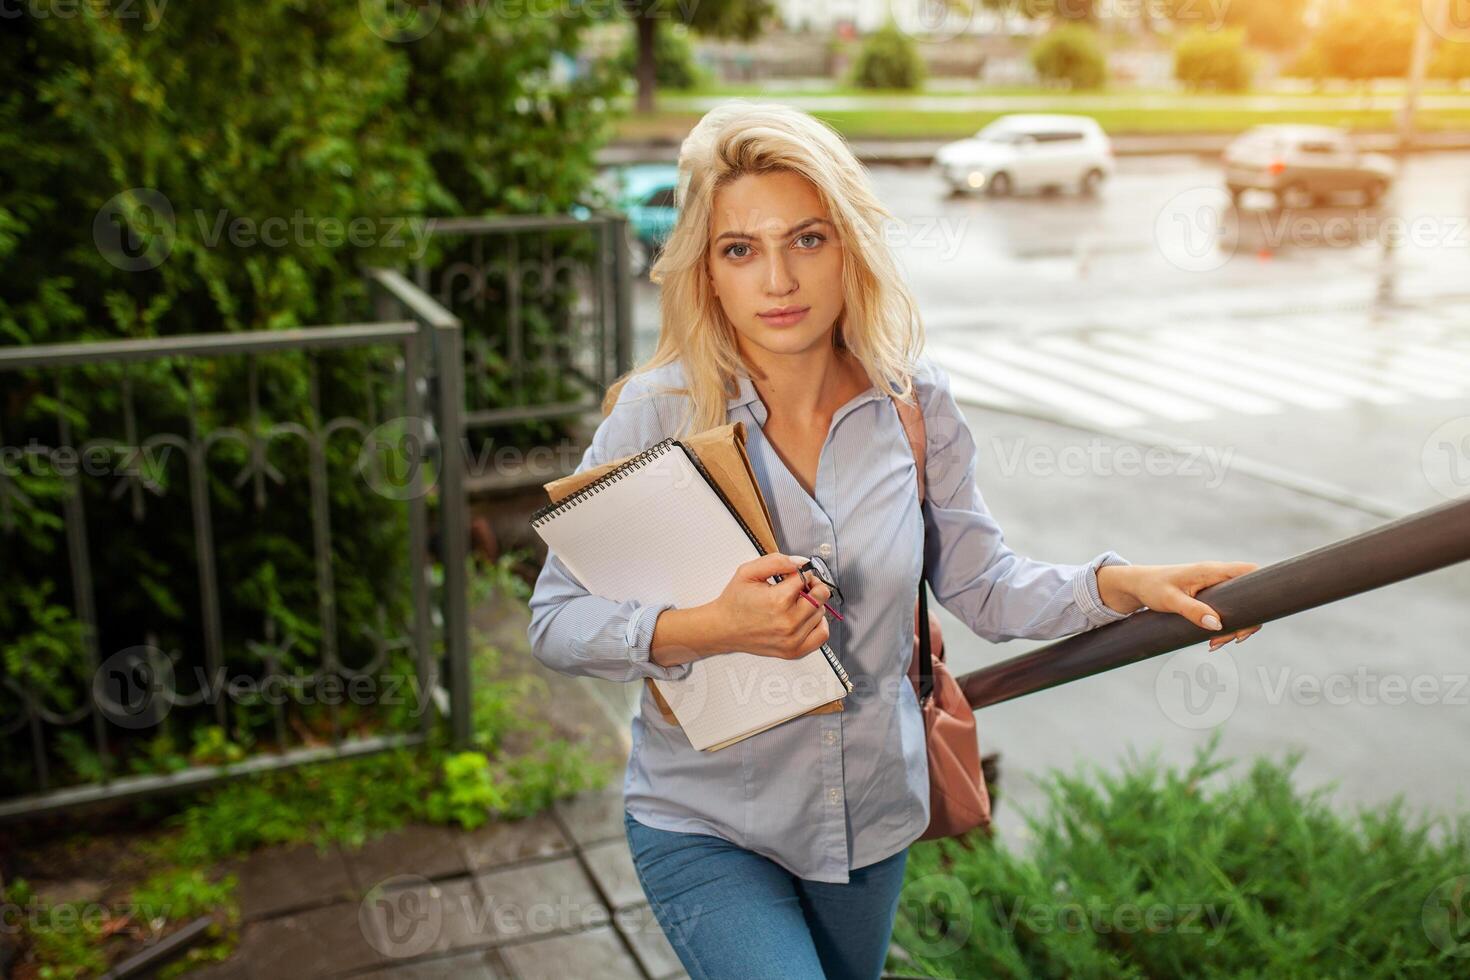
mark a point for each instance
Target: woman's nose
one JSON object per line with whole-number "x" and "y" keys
{"x": 779, "y": 280}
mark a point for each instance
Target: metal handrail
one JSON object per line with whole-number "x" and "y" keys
{"x": 1423, "y": 542}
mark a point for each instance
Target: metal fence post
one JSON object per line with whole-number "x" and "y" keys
{"x": 622, "y": 296}
{"x": 453, "y": 524}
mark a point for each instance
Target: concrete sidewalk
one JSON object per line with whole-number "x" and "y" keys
{"x": 551, "y": 896}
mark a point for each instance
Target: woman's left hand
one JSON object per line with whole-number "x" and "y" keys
{"x": 1172, "y": 588}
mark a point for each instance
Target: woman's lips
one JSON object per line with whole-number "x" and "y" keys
{"x": 786, "y": 319}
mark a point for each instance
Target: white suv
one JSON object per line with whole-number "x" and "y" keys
{"x": 1021, "y": 152}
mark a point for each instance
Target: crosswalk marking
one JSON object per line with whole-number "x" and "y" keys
{"x": 1385, "y": 368}
{"x": 1200, "y": 371}
{"x": 1189, "y": 364}
{"x": 1215, "y": 394}
{"x": 1033, "y": 387}
{"x": 1147, "y": 398}
{"x": 1257, "y": 360}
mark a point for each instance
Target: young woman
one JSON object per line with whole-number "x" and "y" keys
{"x": 782, "y": 307}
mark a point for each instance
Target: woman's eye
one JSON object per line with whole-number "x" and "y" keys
{"x": 730, "y": 248}
{"x": 817, "y": 239}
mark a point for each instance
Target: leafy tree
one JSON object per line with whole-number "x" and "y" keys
{"x": 1213, "y": 60}
{"x": 1362, "y": 39}
{"x": 1071, "y": 54}
{"x": 742, "y": 19}
{"x": 888, "y": 59}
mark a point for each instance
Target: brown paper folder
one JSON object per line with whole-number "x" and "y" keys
{"x": 721, "y": 450}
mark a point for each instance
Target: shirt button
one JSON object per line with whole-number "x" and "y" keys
{"x": 833, "y": 796}
{"x": 825, "y": 550}
{"x": 830, "y": 737}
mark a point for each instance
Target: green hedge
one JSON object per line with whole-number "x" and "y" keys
{"x": 294, "y": 143}
{"x": 1160, "y": 872}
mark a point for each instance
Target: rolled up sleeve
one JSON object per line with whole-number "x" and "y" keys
{"x": 972, "y": 571}
{"x": 574, "y": 631}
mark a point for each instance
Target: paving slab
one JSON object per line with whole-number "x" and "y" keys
{"x": 649, "y": 943}
{"x": 419, "y": 918}
{"x": 289, "y": 878}
{"x": 594, "y": 816}
{"x": 612, "y": 867}
{"x": 321, "y": 942}
{"x": 485, "y": 965}
{"x": 540, "y": 898}
{"x": 510, "y": 841}
{"x": 596, "y": 954}
{"x": 426, "y": 851}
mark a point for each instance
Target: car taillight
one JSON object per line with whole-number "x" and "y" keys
{"x": 1275, "y": 167}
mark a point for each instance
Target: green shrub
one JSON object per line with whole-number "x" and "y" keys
{"x": 263, "y": 110}
{"x": 1071, "y": 55}
{"x": 1158, "y": 872}
{"x": 1207, "y": 60}
{"x": 888, "y": 59}
{"x": 674, "y": 65}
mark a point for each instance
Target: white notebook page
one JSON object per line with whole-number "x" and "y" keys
{"x": 660, "y": 533}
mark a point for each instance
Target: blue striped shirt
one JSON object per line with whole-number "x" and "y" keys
{"x": 822, "y": 794}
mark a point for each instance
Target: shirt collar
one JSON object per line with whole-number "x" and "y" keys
{"x": 747, "y": 395}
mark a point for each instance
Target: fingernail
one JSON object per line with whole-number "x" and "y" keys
{"x": 799, "y": 559}
{"x": 1211, "y": 622}
{"x": 1240, "y": 639}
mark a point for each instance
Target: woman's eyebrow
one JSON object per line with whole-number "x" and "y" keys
{"x": 806, "y": 223}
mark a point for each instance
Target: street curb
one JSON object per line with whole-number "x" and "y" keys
{"x": 921, "y": 152}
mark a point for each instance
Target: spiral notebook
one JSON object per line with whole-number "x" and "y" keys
{"x": 658, "y": 529}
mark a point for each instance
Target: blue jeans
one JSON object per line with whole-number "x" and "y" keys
{"x": 729, "y": 912}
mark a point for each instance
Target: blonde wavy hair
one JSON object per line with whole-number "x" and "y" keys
{"x": 879, "y": 324}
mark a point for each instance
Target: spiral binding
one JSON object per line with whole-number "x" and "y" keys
{"x": 557, "y": 508}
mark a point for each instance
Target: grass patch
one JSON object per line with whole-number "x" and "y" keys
{"x": 674, "y": 124}
{"x": 1160, "y": 872}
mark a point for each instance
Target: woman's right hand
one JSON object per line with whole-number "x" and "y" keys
{"x": 755, "y": 616}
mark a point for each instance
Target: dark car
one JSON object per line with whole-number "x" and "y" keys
{"x": 1305, "y": 166}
